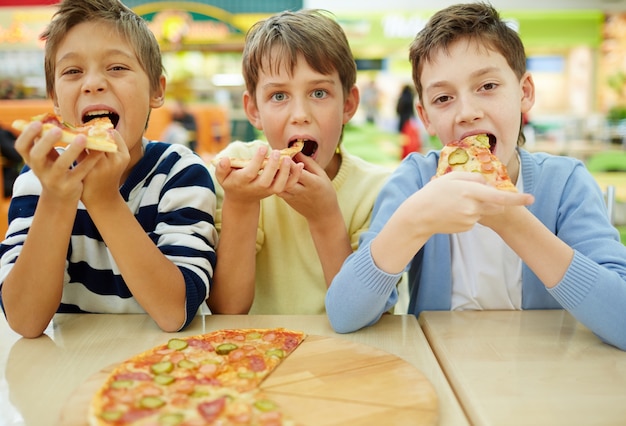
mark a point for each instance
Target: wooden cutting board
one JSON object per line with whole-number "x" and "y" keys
{"x": 325, "y": 381}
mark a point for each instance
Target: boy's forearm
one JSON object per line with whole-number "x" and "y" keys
{"x": 32, "y": 291}
{"x": 156, "y": 283}
{"x": 545, "y": 254}
{"x": 332, "y": 244}
{"x": 233, "y": 279}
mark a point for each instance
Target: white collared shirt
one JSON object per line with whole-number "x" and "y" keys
{"x": 486, "y": 273}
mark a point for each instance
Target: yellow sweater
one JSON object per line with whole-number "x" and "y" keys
{"x": 289, "y": 276}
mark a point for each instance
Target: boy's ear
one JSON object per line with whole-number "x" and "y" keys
{"x": 351, "y": 103}
{"x": 528, "y": 92}
{"x": 251, "y": 110}
{"x": 158, "y": 97}
{"x": 423, "y": 115}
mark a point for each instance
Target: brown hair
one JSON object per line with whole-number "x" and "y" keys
{"x": 130, "y": 25}
{"x": 475, "y": 21}
{"x": 276, "y": 42}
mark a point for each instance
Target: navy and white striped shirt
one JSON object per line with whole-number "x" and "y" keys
{"x": 171, "y": 195}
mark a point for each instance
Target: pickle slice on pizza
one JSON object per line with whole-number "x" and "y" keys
{"x": 240, "y": 163}
{"x": 96, "y": 130}
{"x": 473, "y": 154}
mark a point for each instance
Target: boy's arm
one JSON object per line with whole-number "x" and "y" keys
{"x": 156, "y": 282}
{"x": 233, "y": 279}
{"x": 331, "y": 240}
{"x": 315, "y": 198}
{"x": 32, "y": 291}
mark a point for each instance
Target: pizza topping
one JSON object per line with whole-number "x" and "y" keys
{"x": 225, "y": 348}
{"x": 171, "y": 419}
{"x": 210, "y": 410}
{"x": 265, "y": 405}
{"x": 177, "y": 344}
{"x": 458, "y": 156}
{"x": 151, "y": 402}
{"x": 162, "y": 367}
{"x": 164, "y": 379}
{"x": 185, "y": 363}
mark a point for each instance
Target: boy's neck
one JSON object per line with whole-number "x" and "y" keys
{"x": 333, "y": 167}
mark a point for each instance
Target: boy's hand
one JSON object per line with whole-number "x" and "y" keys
{"x": 255, "y": 182}
{"x": 457, "y": 201}
{"x": 62, "y": 172}
{"x": 102, "y": 183}
{"x": 313, "y": 196}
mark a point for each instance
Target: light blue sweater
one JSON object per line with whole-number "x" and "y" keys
{"x": 568, "y": 201}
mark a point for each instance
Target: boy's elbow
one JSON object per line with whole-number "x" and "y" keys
{"x": 339, "y": 321}
{"x": 343, "y": 327}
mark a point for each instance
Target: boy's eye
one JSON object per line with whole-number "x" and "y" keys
{"x": 441, "y": 99}
{"x": 70, "y": 71}
{"x": 319, "y": 94}
{"x": 278, "y": 96}
{"x": 489, "y": 86}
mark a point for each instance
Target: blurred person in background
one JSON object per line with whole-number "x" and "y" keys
{"x": 369, "y": 99}
{"x": 183, "y": 128}
{"x": 407, "y": 123}
{"x": 11, "y": 161}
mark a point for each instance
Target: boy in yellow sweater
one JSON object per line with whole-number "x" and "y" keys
{"x": 286, "y": 227}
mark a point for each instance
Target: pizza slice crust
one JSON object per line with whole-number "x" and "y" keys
{"x": 240, "y": 163}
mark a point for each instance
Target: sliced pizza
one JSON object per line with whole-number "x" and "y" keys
{"x": 206, "y": 379}
{"x": 96, "y": 130}
{"x": 240, "y": 163}
{"x": 472, "y": 154}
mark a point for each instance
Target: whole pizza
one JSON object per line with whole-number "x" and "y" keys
{"x": 205, "y": 379}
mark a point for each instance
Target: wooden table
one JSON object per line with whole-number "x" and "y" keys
{"x": 528, "y": 368}
{"x": 38, "y": 376}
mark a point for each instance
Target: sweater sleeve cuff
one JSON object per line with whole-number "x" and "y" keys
{"x": 375, "y": 280}
{"x": 577, "y": 282}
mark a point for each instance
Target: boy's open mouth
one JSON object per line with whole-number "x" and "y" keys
{"x": 310, "y": 146}
{"x": 115, "y": 118}
{"x": 492, "y": 142}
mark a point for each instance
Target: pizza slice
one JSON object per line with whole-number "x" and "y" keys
{"x": 96, "y": 130}
{"x": 204, "y": 379}
{"x": 240, "y": 163}
{"x": 472, "y": 154}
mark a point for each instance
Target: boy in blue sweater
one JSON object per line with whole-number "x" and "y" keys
{"x": 124, "y": 232}
{"x": 468, "y": 245}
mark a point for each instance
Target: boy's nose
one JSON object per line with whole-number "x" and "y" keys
{"x": 300, "y": 111}
{"x": 94, "y": 83}
{"x": 468, "y": 110}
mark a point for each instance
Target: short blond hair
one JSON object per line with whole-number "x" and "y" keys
{"x": 129, "y": 25}
{"x": 277, "y": 41}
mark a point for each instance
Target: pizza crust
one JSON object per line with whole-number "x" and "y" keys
{"x": 240, "y": 163}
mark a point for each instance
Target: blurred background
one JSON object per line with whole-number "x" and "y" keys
{"x": 576, "y": 51}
